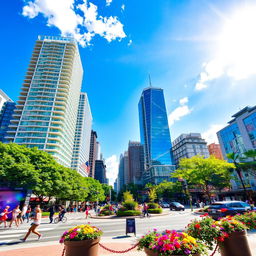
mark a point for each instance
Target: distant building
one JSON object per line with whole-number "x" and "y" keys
{"x": 214, "y": 150}
{"x": 46, "y": 112}
{"x": 81, "y": 149}
{"x": 5, "y": 119}
{"x": 189, "y": 145}
{"x": 136, "y": 162}
{"x": 155, "y": 136}
{"x": 93, "y": 153}
{"x": 115, "y": 186}
{"x": 127, "y": 175}
{"x": 120, "y": 177}
{"x": 3, "y": 98}
{"x": 238, "y": 137}
{"x": 100, "y": 171}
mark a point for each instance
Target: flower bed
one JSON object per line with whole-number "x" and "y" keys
{"x": 171, "y": 242}
{"x": 248, "y": 218}
{"x": 81, "y": 232}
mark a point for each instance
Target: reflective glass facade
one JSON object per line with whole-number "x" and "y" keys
{"x": 250, "y": 125}
{"x": 154, "y": 128}
{"x": 5, "y": 119}
{"x": 232, "y": 139}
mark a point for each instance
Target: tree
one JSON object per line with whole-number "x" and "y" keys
{"x": 234, "y": 157}
{"x": 167, "y": 190}
{"x": 128, "y": 197}
{"x": 95, "y": 190}
{"x": 204, "y": 172}
{"x": 152, "y": 195}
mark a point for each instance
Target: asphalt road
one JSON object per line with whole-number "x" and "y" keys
{"x": 112, "y": 228}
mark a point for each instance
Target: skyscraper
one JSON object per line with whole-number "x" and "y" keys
{"x": 214, "y": 150}
{"x": 3, "y": 98}
{"x": 155, "y": 135}
{"x": 120, "y": 177}
{"x": 100, "y": 171}
{"x": 46, "y": 112}
{"x": 81, "y": 150}
{"x": 136, "y": 162}
{"x": 93, "y": 153}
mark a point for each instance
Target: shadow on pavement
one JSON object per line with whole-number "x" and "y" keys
{"x": 120, "y": 237}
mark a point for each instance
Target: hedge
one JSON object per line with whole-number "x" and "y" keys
{"x": 157, "y": 210}
{"x": 128, "y": 213}
{"x": 48, "y": 213}
{"x": 130, "y": 205}
{"x": 153, "y": 206}
{"x": 106, "y": 213}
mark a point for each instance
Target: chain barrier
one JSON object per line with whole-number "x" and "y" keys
{"x": 63, "y": 252}
{"x": 114, "y": 251}
{"x": 215, "y": 250}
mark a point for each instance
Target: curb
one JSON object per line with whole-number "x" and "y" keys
{"x": 125, "y": 217}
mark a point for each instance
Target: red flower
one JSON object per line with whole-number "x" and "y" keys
{"x": 197, "y": 226}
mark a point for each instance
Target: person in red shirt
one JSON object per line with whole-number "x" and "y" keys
{"x": 4, "y": 216}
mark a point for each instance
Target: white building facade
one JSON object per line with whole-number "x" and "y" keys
{"x": 47, "y": 108}
{"x": 81, "y": 150}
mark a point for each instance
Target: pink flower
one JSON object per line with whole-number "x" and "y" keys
{"x": 73, "y": 235}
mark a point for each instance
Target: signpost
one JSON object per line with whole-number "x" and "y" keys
{"x": 130, "y": 226}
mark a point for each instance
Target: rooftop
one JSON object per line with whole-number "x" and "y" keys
{"x": 57, "y": 38}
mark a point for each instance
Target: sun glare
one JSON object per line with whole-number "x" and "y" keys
{"x": 237, "y": 43}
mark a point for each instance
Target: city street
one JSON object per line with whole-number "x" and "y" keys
{"x": 112, "y": 228}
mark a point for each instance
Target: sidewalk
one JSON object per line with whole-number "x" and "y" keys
{"x": 54, "y": 249}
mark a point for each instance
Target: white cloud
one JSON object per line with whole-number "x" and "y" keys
{"x": 63, "y": 14}
{"x": 235, "y": 54}
{"x": 130, "y": 42}
{"x": 108, "y": 2}
{"x": 210, "y": 135}
{"x": 123, "y": 7}
{"x": 183, "y": 101}
{"x": 112, "y": 163}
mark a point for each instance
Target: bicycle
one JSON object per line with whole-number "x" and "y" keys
{"x": 63, "y": 220}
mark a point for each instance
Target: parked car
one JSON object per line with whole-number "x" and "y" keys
{"x": 225, "y": 208}
{"x": 177, "y": 206}
{"x": 164, "y": 205}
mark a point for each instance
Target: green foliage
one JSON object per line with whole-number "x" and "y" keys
{"x": 127, "y": 196}
{"x": 248, "y": 218}
{"x": 130, "y": 205}
{"x": 152, "y": 195}
{"x": 155, "y": 210}
{"x": 168, "y": 190}
{"x": 121, "y": 212}
{"x": 205, "y": 173}
{"x": 34, "y": 169}
{"x": 153, "y": 206}
{"x": 105, "y": 212}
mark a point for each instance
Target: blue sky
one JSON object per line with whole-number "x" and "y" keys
{"x": 202, "y": 53}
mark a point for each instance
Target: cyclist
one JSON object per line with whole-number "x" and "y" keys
{"x": 62, "y": 212}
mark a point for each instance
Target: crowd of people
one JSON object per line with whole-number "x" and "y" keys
{"x": 19, "y": 216}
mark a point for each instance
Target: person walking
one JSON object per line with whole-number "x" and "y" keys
{"x": 52, "y": 211}
{"x": 145, "y": 209}
{"x": 35, "y": 224}
{"x": 4, "y": 216}
{"x": 27, "y": 215}
{"x": 87, "y": 212}
{"x": 15, "y": 214}
{"x": 23, "y": 213}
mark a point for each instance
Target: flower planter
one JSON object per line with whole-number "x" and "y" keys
{"x": 235, "y": 245}
{"x": 82, "y": 248}
{"x": 150, "y": 252}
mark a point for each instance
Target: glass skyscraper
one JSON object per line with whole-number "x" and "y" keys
{"x": 46, "y": 113}
{"x": 80, "y": 159}
{"x": 155, "y": 135}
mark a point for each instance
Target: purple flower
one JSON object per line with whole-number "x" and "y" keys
{"x": 187, "y": 251}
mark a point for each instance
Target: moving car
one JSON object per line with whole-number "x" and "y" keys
{"x": 225, "y": 208}
{"x": 177, "y": 206}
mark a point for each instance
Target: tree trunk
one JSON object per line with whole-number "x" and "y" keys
{"x": 208, "y": 193}
{"x": 239, "y": 173}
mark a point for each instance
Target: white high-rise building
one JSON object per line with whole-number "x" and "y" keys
{"x": 46, "y": 112}
{"x": 81, "y": 151}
